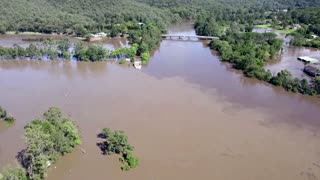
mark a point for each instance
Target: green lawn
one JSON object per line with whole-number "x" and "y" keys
{"x": 286, "y": 31}
{"x": 263, "y": 25}
{"x": 24, "y": 33}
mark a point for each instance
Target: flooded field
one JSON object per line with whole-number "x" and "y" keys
{"x": 289, "y": 58}
{"x": 24, "y": 41}
{"x": 188, "y": 115}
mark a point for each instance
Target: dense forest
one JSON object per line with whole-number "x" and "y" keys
{"x": 81, "y": 16}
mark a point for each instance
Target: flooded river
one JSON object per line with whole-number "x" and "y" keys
{"x": 188, "y": 115}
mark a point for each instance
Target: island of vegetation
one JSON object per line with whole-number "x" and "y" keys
{"x": 46, "y": 140}
{"x": 9, "y": 120}
{"x": 117, "y": 142}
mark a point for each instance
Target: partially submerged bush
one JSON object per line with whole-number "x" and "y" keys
{"x": 122, "y": 61}
{"x": 3, "y": 112}
{"x": 9, "y": 120}
{"x": 129, "y": 161}
{"x": 117, "y": 142}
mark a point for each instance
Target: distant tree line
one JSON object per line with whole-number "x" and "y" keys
{"x": 49, "y": 48}
{"x": 54, "y": 49}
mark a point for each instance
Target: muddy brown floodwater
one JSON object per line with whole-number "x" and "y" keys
{"x": 188, "y": 115}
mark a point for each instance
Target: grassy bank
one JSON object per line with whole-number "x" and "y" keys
{"x": 263, "y": 26}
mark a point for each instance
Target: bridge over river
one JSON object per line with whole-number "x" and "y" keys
{"x": 189, "y": 37}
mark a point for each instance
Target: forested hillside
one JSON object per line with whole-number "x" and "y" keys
{"x": 63, "y": 16}
{"x": 67, "y": 16}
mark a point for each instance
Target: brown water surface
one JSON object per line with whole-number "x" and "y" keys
{"x": 188, "y": 115}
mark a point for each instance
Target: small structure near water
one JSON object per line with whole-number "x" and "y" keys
{"x": 100, "y": 34}
{"x": 308, "y": 59}
{"x": 97, "y": 37}
{"x": 137, "y": 64}
{"x": 311, "y": 70}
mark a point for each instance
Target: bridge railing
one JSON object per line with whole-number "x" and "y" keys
{"x": 188, "y": 36}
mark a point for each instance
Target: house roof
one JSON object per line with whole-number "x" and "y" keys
{"x": 308, "y": 59}
{"x": 311, "y": 68}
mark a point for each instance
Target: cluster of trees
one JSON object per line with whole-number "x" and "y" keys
{"x": 54, "y": 49}
{"x": 9, "y": 120}
{"x": 130, "y": 52}
{"x": 249, "y": 52}
{"x": 47, "y": 139}
{"x": 98, "y": 53}
{"x": 306, "y": 21}
{"x": 90, "y": 53}
{"x": 117, "y": 142}
{"x": 49, "y": 48}
{"x": 285, "y": 79}
{"x": 305, "y": 40}
{"x": 207, "y": 25}
{"x": 307, "y": 16}
{"x": 247, "y": 49}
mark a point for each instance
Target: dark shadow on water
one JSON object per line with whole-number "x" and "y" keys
{"x": 101, "y": 136}
{"x": 21, "y": 159}
{"x": 103, "y": 147}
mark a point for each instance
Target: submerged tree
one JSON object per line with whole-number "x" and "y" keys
{"x": 117, "y": 142}
{"x": 3, "y": 112}
{"x": 46, "y": 140}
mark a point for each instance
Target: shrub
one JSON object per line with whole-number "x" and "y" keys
{"x": 129, "y": 161}
{"x": 145, "y": 56}
{"x": 117, "y": 142}
{"x": 122, "y": 61}
{"x": 3, "y": 113}
{"x": 9, "y": 120}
